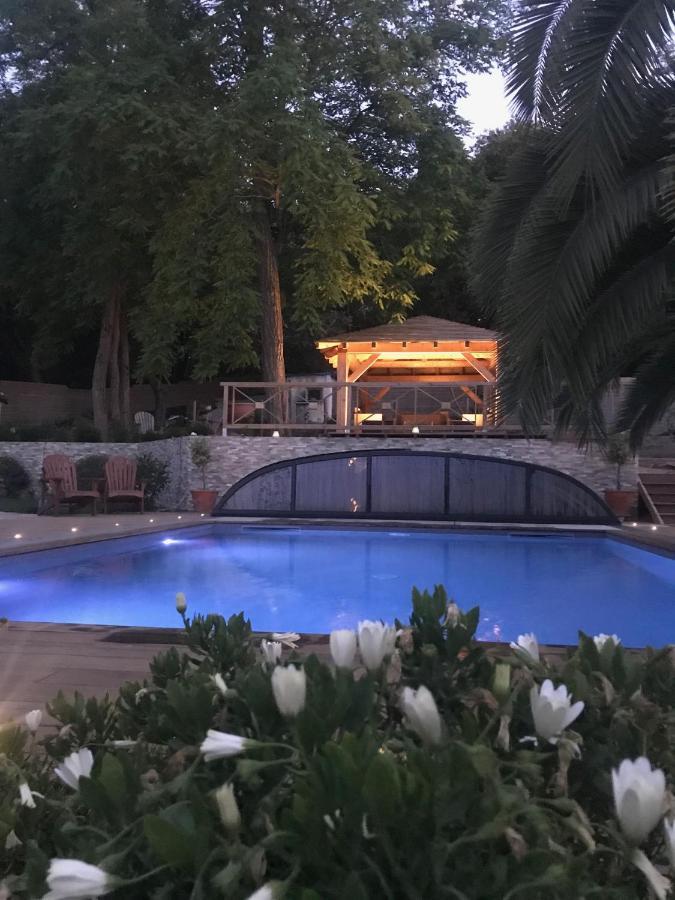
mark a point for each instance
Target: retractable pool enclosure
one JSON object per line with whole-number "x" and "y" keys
{"x": 412, "y": 485}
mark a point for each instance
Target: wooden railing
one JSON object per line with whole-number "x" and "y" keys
{"x": 456, "y": 405}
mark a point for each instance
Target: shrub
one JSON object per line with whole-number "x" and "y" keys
{"x": 14, "y": 479}
{"x": 155, "y": 473}
{"x": 91, "y": 467}
{"x": 177, "y": 429}
{"x": 200, "y": 452}
{"x": 84, "y": 431}
{"x": 421, "y": 778}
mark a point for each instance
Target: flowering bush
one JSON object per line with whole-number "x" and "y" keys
{"x": 435, "y": 770}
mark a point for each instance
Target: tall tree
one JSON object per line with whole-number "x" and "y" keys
{"x": 99, "y": 123}
{"x": 576, "y": 251}
{"x": 333, "y": 175}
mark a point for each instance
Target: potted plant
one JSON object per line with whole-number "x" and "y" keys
{"x": 618, "y": 452}
{"x": 203, "y": 500}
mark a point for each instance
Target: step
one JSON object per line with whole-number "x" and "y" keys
{"x": 648, "y": 478}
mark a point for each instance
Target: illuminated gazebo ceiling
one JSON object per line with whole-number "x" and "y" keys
{"x": 421, "y": 349}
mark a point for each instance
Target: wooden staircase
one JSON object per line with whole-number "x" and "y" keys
{"x": 657, "y": 489}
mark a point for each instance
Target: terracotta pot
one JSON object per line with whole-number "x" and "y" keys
{"x": 621, "y": 502}
{"x": 204, "y": 501}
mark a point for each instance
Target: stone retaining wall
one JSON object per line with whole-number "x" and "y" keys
{"x": 236, "y": 456}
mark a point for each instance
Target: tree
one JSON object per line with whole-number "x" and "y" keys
{"x": 100, "y": 123}
{"x": 575, "y": 252}
{"x": 333, "y": 175}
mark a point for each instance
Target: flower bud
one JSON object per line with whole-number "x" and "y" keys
{"x": 228, "y": 808}
{"x": 343, "y": 647}
{"x": 181, "y": 602}
{"x": 33, "y": 719}
{"x": 452, "y": 615}
{"x": 421, "y": 712}
{"x": 290, "y": 687}
{"x": 639, "y": 797}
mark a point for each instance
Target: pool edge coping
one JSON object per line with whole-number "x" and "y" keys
{"x": 662, "y": 543}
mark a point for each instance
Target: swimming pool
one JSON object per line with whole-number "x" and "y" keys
{"x": 316, "y": 579}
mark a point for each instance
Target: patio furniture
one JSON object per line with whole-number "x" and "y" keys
{"x": 121, "y": 483}
{"x": 60, "y": 485}
{"x": 145, "y": 421}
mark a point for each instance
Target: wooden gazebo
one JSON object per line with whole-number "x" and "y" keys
{"x": 423, "y": 350}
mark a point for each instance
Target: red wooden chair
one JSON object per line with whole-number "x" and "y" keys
{"x": 59, "y": 479}
{"x": 121, "y": 483}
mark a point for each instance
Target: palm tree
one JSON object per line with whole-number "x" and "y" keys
{"x": 575, "y": 253}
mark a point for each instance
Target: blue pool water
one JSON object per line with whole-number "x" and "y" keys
{"x": 316, "y": 579}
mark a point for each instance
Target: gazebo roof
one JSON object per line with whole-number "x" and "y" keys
{"x": 417, "y": 328}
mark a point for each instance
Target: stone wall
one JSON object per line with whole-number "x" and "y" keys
{"x": 236, "y": 456}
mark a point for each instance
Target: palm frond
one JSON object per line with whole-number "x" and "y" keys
{"x": 653, "y": 391}
{"x": 586, "y": 68}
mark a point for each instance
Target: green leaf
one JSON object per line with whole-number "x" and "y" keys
{"x": 171, "y": 844}
{"x": 382, "y": 787}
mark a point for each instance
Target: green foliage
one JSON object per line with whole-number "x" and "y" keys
{"x": 91, "y": 467}
{"x": 575, "y": 253}
{"x": 14, "y": 479}
{"x": 79, "y": 430}
{"x": 344, "y": 801}
{"x": 200, "y": 453}
{"x": 154, "y": 473}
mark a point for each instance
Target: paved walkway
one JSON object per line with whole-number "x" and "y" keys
{"x": 19, "y": 533}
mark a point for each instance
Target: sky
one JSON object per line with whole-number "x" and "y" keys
{"x": 485, "y": 104}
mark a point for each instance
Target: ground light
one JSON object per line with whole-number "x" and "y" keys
{"x": 73, "y": 529}
{"x": 18, "y": 537}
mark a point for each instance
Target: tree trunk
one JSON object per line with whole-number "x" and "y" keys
{"x": 272, "y": 331}
{"x": 125, "y": 383}
{"x": 99, "y": 376}
{"x": 114, "y": 367}
{"x": 160, "y": 403}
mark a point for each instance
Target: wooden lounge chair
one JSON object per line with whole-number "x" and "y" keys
{"x": 59, "y": 479}
{"x": 121, "y": 483}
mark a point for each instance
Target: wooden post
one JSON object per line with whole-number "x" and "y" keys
{"x": 226, "y": 407}
{"x": 342, "y": 417}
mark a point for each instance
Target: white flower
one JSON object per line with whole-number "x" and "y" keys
{"x": 601, "y": 639}
{"x": 269, "y": 891}
{"x": 376, "y": 640}
{"x": 343, "y": 647}
{"x": 419, "y": 708}
{"x": 552, "y": 709}
{"x": 271, "y": 651}
{"x": 219, "y": 682}
{"x": 639, "y": 797}
{"x": 288, "y": 638}
{"x": 452, "y": 615}
{"x": 181, "y": 602}
{"x": 12, "y": 841}
{"x": 26, "y": 796}
{"x": 69, "y": 879}
{"x": 219, "y": 744}
{"x": 228, "y": 808}
{"x": 77, "y": 765}
{"x": 669, "y": 829}
{"x": 527, "y": 643}
{"x": 33, "y": 719}
{"x": 289, "y": 686}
